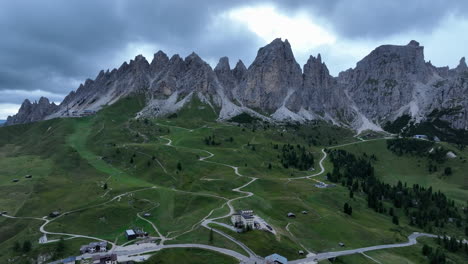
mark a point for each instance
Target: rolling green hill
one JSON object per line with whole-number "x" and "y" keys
{"x": 105, "y": 170}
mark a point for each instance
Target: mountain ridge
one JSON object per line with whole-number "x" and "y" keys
{"x": 391, "y": 81}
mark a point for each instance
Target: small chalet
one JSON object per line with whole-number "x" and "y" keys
{"x": 420, "y": 137}
{"x": 130, "y": 234}
{"x": 29, "y": 176}
{"x": 291, "y": 215}
{"x": 15, "y": 180}
{"x": 54, "y": 214}
{"x": 276, "y": 259}
{"x": 105, "y": 259}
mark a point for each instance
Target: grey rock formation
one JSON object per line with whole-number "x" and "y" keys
{"x": 389, "y": 82}
{"x": 31, "y": 112}
{"x": 273, "y": 74}
{"x": 321, "y": 95}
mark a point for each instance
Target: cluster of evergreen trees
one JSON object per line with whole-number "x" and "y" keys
{"x": 347, "y": 209}
{"x": 296, "y": 156}
{"x": 452, "y": 244}
{"x": 416, "y": 147}
{"x": 210, "y": 140}
{"x": 435, "y": 256}
{"x": 423, "y": 207}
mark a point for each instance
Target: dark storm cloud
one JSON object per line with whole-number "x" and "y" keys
{"x": 375, "y": 19}
{"x": 53, "y": 45}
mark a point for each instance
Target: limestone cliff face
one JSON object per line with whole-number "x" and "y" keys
{"x": 31, "y": 112}
{"x": 395, "y": 80}
{"x": 272, "y": 75}
{"x": 386, "y": 79}
{"x": 389, "y": 82}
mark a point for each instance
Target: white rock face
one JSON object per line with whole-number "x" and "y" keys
{"x": 390, "y": 82}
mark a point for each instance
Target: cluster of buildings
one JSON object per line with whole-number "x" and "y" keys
{"x": 134, "y": 233}
{"x": 94, "y": 247}
{"x": 243, "y": 219}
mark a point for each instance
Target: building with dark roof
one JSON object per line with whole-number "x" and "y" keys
{"x": 105, "y": 259}
{"x": 130, "y": 234}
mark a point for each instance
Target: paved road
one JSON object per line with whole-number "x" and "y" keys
{"x": 123, "y": 252}
{"x": 322, "y": 169}
{"x": 321, "y": 256}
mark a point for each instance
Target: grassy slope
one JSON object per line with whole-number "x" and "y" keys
{"x": 413, "y": 170}
{"x": 189, "y": 256}
{"x": 405, "y": 255}
{"x": 86, "y": 152}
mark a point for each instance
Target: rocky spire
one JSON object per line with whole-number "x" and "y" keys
{"x": 223, "y": 65}
{"x": 159, "y": 61}
{"x": 226, "y": 77}
{"x": 240, "y": 71}
{"x": 462, "y": 65}
{"x": 316, "y": 73}
{"x": 413, "y": 43}
{"x": 271, "y": 76}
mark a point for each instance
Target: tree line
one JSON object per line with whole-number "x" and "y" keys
{"x": 422, "y": 206}
{"x": 296, "y": 157}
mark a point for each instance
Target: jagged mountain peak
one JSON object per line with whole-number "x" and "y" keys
{"x": 139, "y": 57}
{"x": 160, "y": 60}
{"x": 31, "y": 112}
{"x": 44, "y": 100}
{"x": 240, "y": 71}
{"x": 223, "y": 65}
{"x": 160, "y": 55}
{"x": 315, "y": 60}
{"x": 240, "y": 66}
{"x": 193, "y": 57}
{"x": 392, "y": 80}
{"x": 315, "y": 68}
{"x": 175, "y": 59}
{"x": 139, "y": 62}
{"x": 413, "y": 43}
{"x": 462, "y": 65}
{"x": 276, "y": 50}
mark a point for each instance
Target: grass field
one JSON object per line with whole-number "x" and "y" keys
{"x": 71, "y": 161}
{"x": 189, "y": 256}
{"x": 413, "y": 170}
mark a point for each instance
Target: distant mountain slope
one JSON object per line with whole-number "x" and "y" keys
{"x": 31, "y": 112}
{"x": 390, "y": 82}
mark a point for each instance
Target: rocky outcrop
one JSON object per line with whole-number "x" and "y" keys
{"x": 273, "y": 74}
{"x": 31, "y": 112}
{"x": 395, "y": 80}
{"x": 389, "y": 82}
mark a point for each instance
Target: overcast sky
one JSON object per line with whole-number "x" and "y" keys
{"x": 49, "y": 47}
